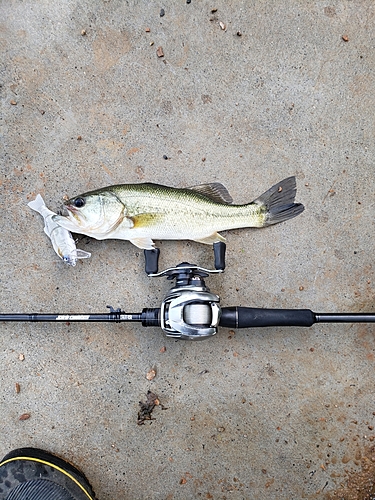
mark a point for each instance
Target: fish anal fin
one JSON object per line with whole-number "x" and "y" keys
{"x": 143, "y": 242}
{"x": 210, "y": 240}
{"x": 215, "y": 191}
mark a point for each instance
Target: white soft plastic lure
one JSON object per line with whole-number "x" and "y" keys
{"x": 62, "y": 240}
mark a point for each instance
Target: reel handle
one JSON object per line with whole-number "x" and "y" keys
{"x": 152, "y": 258}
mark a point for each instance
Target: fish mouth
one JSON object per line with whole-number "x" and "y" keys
{"x": 70, "y": 208}
{"x": 100, "y": 226}
{"x": 72, "y": 213}
{"x": 64, "y": 211}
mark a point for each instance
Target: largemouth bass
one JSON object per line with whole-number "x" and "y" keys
{"x": 142, "y": 213}
{"x": 61, "y": 239}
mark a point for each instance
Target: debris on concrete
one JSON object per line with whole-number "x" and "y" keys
{"x": 145, "y": 413}
{"x": 151, "y": 374}
{"x": 24, "y": 416}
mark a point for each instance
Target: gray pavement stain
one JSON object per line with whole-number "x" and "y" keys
{"x": 274, "y": 413}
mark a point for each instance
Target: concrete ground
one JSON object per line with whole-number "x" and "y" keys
{"x": 247, "y": 93}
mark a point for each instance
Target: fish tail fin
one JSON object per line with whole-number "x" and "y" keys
{"x": 278, "y": 202}
{"x": 37, "y": 204}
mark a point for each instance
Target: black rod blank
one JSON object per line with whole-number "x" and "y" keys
{"x": 113, "y": 316}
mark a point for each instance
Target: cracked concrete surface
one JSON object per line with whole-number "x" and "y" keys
{"x": 277, "y": 89}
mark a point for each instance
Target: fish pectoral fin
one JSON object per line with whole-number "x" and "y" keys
{"x": 215, "y": 191}
{"x": 210, "y": 240}
{"x": 144, "y": 243}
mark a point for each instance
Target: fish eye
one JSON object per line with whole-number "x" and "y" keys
{"x": 79, "y": 202}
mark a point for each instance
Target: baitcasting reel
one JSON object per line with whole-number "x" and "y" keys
{"x": 190, "y": 311}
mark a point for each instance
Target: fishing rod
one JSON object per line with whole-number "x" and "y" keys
{"x": 189, "y": 311}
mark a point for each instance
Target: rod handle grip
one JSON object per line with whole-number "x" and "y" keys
{"x": 251, "y": 317}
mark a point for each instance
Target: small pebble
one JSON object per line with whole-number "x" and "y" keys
{"x": 162, "y": 13}
{"x": 239, "y": 33}
{"x": 83, "y": 32}
{"x": 345, "y": 38}
{"x": 13, "y": 102}
{"x": 21, "y": 357}
{"x": 79, "y": 138}
{"x": 165, "y": 157}
{"x": 148, "y": 30}
{"x": 24, "y": 416}
{"x": 18, "y": 388}
{"x": 151, "y": 375}
{"x": 301, "y": 288}
{"x": 222, "y": 26}
{"x": 188, "y": 1}
{"x": 159, "y": 52}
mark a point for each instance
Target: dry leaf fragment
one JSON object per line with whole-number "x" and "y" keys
{"x": 24, "y": 416}
{"x": 17, "y": 387}
{"x": 145, "y": 412}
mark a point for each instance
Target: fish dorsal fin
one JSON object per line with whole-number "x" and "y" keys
{"x": 215, "y": 191}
